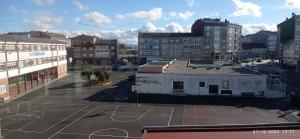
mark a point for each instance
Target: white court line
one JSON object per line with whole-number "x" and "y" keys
{"x": 79, "y": 134}
{"x": 183, "y": 115}
{"x": 26, "y": 131}
{"x": 75, "y": 113}
{"x": 73, "y": 122}
{"x": 21, "y": 128}
{"x": 126, "y": 132}
{"x": 170, "y": 116}
{"x": 139, "y": 117}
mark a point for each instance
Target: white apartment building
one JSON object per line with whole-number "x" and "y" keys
{"x": 26, "y": 63}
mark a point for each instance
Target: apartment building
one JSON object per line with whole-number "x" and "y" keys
{"x": 209, "y": 39}
{"x": 268, "y": 38}
{"x": 171, "y": 45}
{"x": 222, "y": 37}
{"x": 26, "y": 63}
{"x": 289, "y": 42}
{"x": 93, "y": 52}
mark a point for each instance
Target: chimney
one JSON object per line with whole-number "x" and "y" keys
{"x": 293, "y": 14}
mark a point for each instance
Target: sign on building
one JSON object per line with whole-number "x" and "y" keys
{"x": 135, "y": 88}
{"x": 93, "y": 77}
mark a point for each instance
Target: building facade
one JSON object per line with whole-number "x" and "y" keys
{"x": 289, "y": 42}
{"x": 171, "y": 45}
{"x": 93, "y": 51}
{"x": 253, "y": 51}
{"x": 267, "y": 38}
{"x": 209, "y": 39}
{"x": 204, "y": 77}
{"x": 26, "y": 63}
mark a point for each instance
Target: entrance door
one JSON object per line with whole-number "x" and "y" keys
{"x": 213, "y": 89}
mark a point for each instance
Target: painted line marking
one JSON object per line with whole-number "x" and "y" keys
{"x": 170, "y": 116}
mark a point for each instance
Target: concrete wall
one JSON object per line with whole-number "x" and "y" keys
{"x": 4, "y": 83}
{"x": 163, "y": 83}
{"x": 62, "y": 70}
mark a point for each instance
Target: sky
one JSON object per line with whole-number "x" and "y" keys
{"x": 123, "y": 19}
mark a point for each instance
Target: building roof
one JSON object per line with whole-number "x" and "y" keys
{"x": 203, "y": 67}
{"x": 216, "y": 21}
{"x": 224, "y": 132}
{"x": 268, "y": 32}
{"x": 39, "y": 34}
{"x": 183, "y": 67}
{"x": 12, "y": 38}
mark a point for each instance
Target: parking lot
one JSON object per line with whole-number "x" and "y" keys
{"x": 66, "y": 109}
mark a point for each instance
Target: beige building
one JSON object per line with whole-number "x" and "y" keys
{"x": 93, "y": 51}
{"x": 26, "y": 63}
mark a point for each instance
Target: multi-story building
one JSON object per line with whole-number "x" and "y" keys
{"x": 267, "y": 38}
{"x": 289, "y": 41}
{"x": 26, "y": 63}
{"x": 171, "y": 45}
{"x": 93, "y": 52}
{"x": 222, "y": 37}
{"x": 209, "y": 39}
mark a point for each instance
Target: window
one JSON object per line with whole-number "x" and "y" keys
{"x": 2, "y": 89}
{"x": 178, "y": 85}
{"x": 1, "y": 47}
{"x": 11, "y": 65}
{"x": 225, "y": 85}
{"x": 2, "y": 66}
{"x": 201, "y": 84}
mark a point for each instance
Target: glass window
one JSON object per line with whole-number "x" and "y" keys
{"x": 178, "y": 85}
{"x": 225, "y": 85}
{"x": 201, "y": 84}
{"x": 2, "y": 89}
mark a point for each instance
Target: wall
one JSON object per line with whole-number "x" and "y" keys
{"x": 163, "y": 83}
{"x": 62, "y": 70}
{"x": 5, "y": 94}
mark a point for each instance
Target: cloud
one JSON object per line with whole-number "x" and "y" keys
{"x": 94, "y": 18}
{"x": 172, "y": 27}
{"x": 126, "y": 36}
{"x": 253, "y": 28}
{"x": 246, "y": 9}
{"x": 42, "y": 22}
{"x": 149, "y": 27}
{"x": 292, "y": 4}
{"x": 182, "y": 15}
{"x": 153, "y": 14}
{"x": 190, "y": 3}
{"x": 43, "y": 2}
{"x": 17, "y": 10}
{"x": 212, "y": 15}
{"x": 80, "y": 5}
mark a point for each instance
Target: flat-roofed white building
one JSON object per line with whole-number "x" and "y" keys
{"x": 202, "y": 77}
{"x": 26, "y": 63}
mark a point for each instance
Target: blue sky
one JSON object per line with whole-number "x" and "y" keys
{"x": 122, "y": 19}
